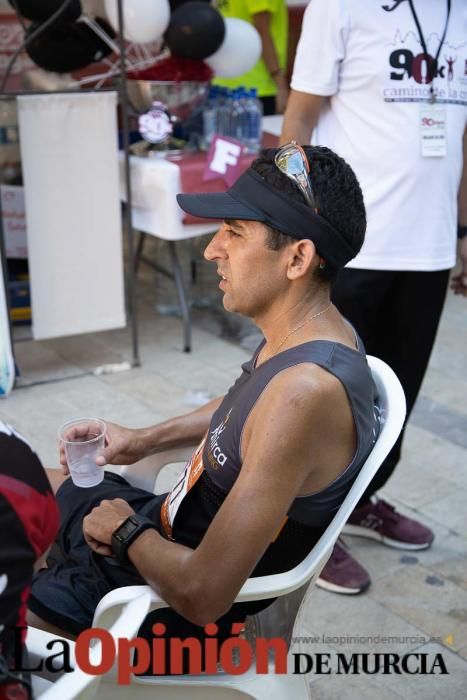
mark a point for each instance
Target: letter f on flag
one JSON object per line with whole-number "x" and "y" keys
{"x": 223, "y": 160}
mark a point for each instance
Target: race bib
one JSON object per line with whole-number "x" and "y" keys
{"x": 190, "y": 475}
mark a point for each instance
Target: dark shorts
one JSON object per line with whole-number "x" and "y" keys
{"x": 67, "y": 593}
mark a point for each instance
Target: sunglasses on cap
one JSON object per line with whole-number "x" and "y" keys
{"x": 292, "y": 161}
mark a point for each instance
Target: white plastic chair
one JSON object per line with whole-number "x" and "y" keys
{"x": 122, "y": 621}
{"x": 155, "y": 183}
{"x": 292, "y": 588}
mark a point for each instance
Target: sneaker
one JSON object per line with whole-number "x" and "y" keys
{"x": 378, "y": 520}
{"x": 343, "y": 573}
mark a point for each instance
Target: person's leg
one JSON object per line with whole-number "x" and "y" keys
{"x": 397, "y": 315}
{"x": 406, "y": 342}
{"x": 359, "y": 295}
{"x": 406, "y": 332}
{"x": 365, "y": 298}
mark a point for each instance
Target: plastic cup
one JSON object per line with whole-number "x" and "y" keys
{"x": 83, "y": 440}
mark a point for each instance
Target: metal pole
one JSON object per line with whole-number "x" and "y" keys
{"x": 5, "y": 282}
{"x": 131, "y": 286}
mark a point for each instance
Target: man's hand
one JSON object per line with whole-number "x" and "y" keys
{"x": 459, "y": 281}
{"x": 122, "y": 446}
{"x": 102, "y": 521}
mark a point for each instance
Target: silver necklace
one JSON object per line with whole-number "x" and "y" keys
{"x": 297, "y": 328}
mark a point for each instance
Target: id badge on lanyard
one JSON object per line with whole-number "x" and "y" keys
{"x": 432, "y": 116}
{"x": 432, "y": 129}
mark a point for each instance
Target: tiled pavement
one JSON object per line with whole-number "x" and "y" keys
{"x": 419, "y": 599}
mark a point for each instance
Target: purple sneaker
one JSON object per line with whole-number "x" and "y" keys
{"x": 343, "y": 573}
{"x": 378, "y": 520}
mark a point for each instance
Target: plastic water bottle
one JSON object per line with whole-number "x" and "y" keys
{"x": 210, "y": 117}
{"x": 253, "y": 117}
{"x": 223, "y": 112}
{"x": 228, "y": 120}
{"x": 238, "y": 116}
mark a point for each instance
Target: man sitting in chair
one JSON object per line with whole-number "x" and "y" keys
{"x": 277, "y": 454}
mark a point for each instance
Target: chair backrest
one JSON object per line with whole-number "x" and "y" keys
{"x": 392, "y": 408}
{"x": 291, "y": 587}
{"x": 280, "y": 618}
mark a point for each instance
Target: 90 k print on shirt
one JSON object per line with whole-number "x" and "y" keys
{"x": 411, "y": 71}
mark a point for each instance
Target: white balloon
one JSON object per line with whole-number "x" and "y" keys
{"x": 144, "y": 20}
{"x": 239, "y": 51}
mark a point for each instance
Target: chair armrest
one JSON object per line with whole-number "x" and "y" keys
{"x": 258, "y": 588}
{"x": 110, "y": 606}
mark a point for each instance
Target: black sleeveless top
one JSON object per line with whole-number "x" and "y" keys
{"x": 308, "y": 515}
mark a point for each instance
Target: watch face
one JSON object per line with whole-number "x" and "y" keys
{"x": 128, "y": 531}
{"x": 124, "y": 531}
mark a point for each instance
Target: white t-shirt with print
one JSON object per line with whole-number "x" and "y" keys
{"x": 367, "y": 59}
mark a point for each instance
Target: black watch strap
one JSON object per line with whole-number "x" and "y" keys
{"x": 127, "y": 533}
{"x": 461, "y": 231}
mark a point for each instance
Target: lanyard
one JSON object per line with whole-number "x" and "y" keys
{"x": 422, "y": 40}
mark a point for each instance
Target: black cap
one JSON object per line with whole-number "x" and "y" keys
{"x": 251, "y": 198}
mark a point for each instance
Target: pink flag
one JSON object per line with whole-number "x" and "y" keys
{"x": 223, "y": 160}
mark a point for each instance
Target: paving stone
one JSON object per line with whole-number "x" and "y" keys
{"x": 430, "y": 456}
{"x": 87, "y": 351}
{"x": 450, "y": 394}
{"x": 38, "y": 363}
{"x": 417, "y": 487}
{"x": 439, "y": 611}
{"x": 441, "y": 420}
{"x": 450, "y": 510}
{"x": 454, "y": 570}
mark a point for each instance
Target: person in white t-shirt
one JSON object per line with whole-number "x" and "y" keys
{"x": 384, "y": 84}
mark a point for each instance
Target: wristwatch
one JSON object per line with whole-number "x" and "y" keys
{"x": 461, "y": 231}
{"x": 127, "y": 533}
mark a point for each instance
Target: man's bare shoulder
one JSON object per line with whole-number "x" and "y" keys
{"x": 304, "y": 394}
{"x": 306, "y": 385}
{"x": 302, "y": 419}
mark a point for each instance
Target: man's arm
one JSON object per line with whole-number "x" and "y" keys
{"x": 459, "y": 281}
{"x": 301, "y": 117}
{"x": 129, "y": 445}
{"x": 286, "y": 424}
{"x": 261, "y": 21}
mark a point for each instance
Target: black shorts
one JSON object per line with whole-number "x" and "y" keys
{"x": 67, "y": 593}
